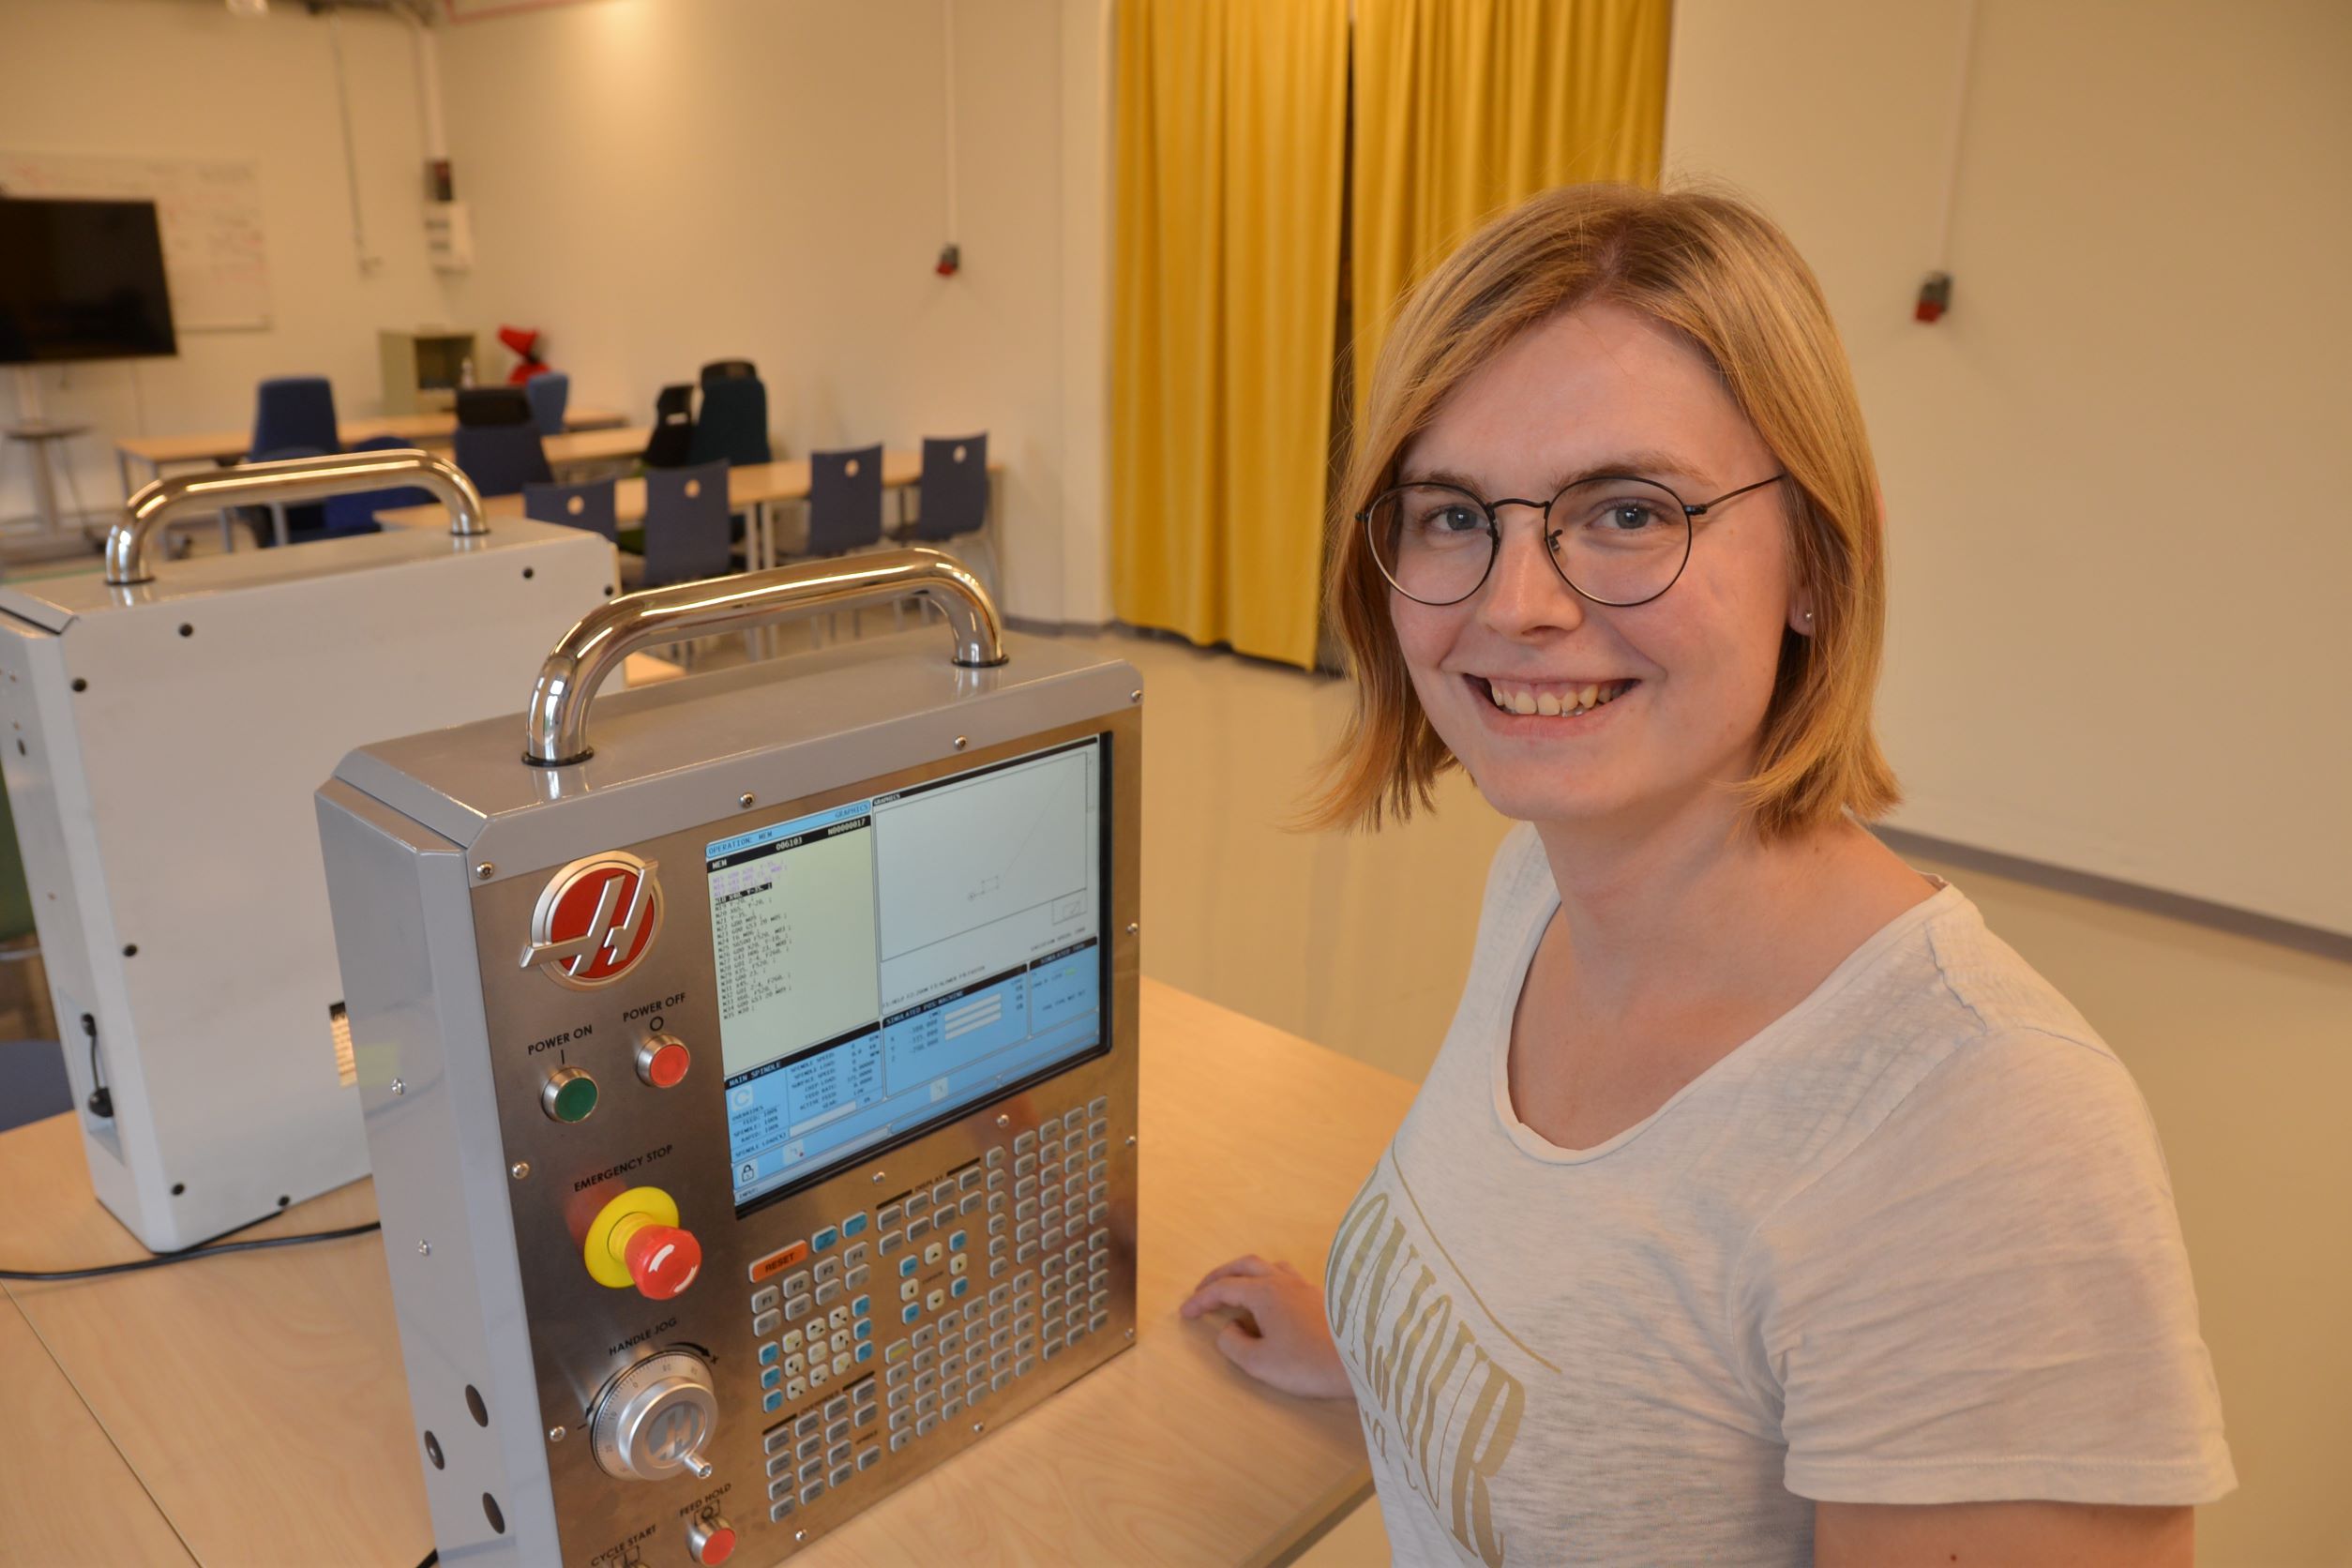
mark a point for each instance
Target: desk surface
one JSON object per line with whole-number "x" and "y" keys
{"x": 751, "y": 484}
{"x": 429, "y": 430}
{"x": 251, "y": 1410}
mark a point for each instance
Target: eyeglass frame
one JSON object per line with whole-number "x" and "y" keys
{"x": 1551, "y": 538}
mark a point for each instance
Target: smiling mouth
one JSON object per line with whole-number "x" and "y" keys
{"x": 1550, "y": 698}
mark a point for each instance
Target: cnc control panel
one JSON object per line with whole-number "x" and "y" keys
{"x": 780, "y": 1156}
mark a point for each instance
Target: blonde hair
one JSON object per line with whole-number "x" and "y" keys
{"x": 1719, "y": 273}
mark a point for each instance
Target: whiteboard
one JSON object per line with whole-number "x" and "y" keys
{"x": 210, "y": 214}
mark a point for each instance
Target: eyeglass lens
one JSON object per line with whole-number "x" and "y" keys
{"x": 1617, "y": 541}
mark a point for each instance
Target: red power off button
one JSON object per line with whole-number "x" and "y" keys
{"x": 662, "y": 1060}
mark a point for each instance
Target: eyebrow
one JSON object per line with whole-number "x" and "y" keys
{"x": 1629, "y": 465}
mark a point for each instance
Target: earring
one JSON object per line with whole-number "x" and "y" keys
{"x": 1808, "y": 614}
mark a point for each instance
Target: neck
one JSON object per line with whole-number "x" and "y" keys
{"x": 1680, "y": 904}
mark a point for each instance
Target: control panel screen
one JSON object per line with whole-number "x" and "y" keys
{"x": 888, "y": 963}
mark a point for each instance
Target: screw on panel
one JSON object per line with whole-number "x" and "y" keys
{"x": 1133, "y": 927}
{"x": 555, "y": 1434}
{"x": 799, "y": 1535}
{"x": 400, "y": 1086}
{"x": 962, "y": 740}
{"x": 878, "y": 1177}
{"x": 744, "y": 799}
{"x": 1131, "y": 1334}
{"x": 1136, "y": 696}
{"x": 424, "y": 1249}
{"x": 1131, "y": 1140}
{"x": 523, "y": 1168}
{"x": 978, "y": 1426}
{"x": 81, "y": 685}
{"x": 485, "y": 869}
{"x": 1003, "y": 1121}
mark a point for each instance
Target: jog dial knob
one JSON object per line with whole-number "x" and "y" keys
{"x": 657, "y": 1417}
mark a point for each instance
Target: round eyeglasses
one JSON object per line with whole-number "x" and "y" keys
{"x": 1616, "y": 539}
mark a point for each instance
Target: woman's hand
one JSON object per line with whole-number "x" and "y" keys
{"x": 1281, "y": 1336}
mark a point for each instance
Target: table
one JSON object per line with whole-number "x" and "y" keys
{"x": 753, "y": 488}
{"x": 251, "y": 1410}
{"x": 223, "y": 446}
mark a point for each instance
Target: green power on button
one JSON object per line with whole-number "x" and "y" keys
{"x": 570, "y": 1094}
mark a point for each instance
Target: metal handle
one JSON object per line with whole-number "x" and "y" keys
{"x": 556, "y": 725}
{"x": 185, "y": 495}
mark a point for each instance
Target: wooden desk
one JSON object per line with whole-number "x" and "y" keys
{"x": 619, "y": 443}
{"x": 218, "y": 447}
{"x": 254, "y": 1404}
{"x": 754, "y": 488}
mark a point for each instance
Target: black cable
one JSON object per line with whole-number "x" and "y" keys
{"x": 101, "y": 1103}
{"x": 431, "y": 1558}
{"x": 186, "y": 1254}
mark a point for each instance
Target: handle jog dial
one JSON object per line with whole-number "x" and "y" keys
{"x": 656, "y": 1419}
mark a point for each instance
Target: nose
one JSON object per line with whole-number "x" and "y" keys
{"x": 1524, "y": 595}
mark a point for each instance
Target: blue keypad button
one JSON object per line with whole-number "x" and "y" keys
{"x": 768, "y": 1352}
{"x": 864, "y": 1328}
{"x": 862, "y": 1305}
{"x": 865, "y": 1352}
{"x": 822, "y": 1241}
{"x": 771, "y": 1377}
{"x": 853, "y": 1226}
{"x": 911, "y": 1311}
{"x": 961, "y": 1287}
{"x": 772, "y": 1400}
{"x": 956, "y": 1241}
{"x": 907, "y": 1266}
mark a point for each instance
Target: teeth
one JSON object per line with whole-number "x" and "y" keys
{"x": 1524, "y": 702}
{"x": 1570, "y": 704}
{"x": 1546, "y": 703}
{"x": 1586, "y": 695}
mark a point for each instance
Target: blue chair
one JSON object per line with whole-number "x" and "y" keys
{"x": 348, "y": 515}
{"x": 951, "y": 498}
{"x": 293, "y": 417}
{"x": 686, "y": 526}
{"x": 845, "y": 509}
{"x": 548, "y": 393}
{"x": 732, "y": 428}
{"x": 497, "y": 444}
{"x": 590, "y": 507}
{"x": 729, "y": 370}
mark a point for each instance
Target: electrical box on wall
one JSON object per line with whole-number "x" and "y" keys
{"x": 449, "y": 236}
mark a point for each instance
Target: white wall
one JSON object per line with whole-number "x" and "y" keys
{"x": 185, "y": 78}
{"x": 655, "y": 184}
{"x": 2118, "y": 472}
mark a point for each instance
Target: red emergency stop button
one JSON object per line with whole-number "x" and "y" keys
{"x": 710, "y": 1539}
{"x": 662, "y": 1060}
{"x": 662, "y": 1259}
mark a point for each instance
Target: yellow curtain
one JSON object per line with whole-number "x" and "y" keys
{"x": 1466, "y": 106}
{"x": 1230, "y": 156}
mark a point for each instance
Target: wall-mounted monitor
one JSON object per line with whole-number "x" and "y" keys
{"x": 81, "y": 279}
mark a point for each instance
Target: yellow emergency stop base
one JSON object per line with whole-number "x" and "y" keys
{"x": 610, "y": 1233}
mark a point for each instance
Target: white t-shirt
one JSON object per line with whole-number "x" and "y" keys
{"x": 1913, "y": 1241}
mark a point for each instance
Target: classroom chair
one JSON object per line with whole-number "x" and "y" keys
{"x": 685, "y": 533}
{"x": 845, "y": 505}
{"x": 950, "y": 498}
{"x": 293, "y": 417}
{"x": 588, "y": 506}
{"x": 350, "y": 515}
{"x": 673, "y": 427}
{"x": 548, "y": 392}
{"x": 497, "y": 444}
{"x": 729, "y": 370}
{"x": 732, "y": 428}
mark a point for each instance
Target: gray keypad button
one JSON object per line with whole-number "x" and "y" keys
{"x": 971, "y": 1203}
{"x": 767, "y": 1299}
{"x": 917, "y": 1229}
{"x": 829, "y": 1268}
{"x": 996, "y": 1203}
{"x": 1100, "y": 1150}
{"x": 1098, "y": 1241}
{"x": 856, "y": 1278}
{"x": 891, "y": 1214}
{"x": 968, "y": 1178}
{"x": 950, "y": 1409}
{"x": 869, "y": 1457}
{"x": 837, "y": 1433}
{"x": 841, "y": 1475}
{"x": 795, "y": 1309}
{"x": 1074, "y": 1121}
{"x": 898, "y": 1374}
{"x": 812, "y": 1422}
{"x": 900, "y": 1420}
{"x": 780, "y": 1510}
{"x": 899, "y": 1441}
{"x": 1098, "y": 1106}
{"x": 943, "y": 1193}
{"x": 1001, "y": 1295}
{"x": 925, "y": 1409}
{"x": 1024, "y": 1367}
{"x": 781, "y": 1464}
{"x": 923, "y": 1337}
{"x": 766, "y": 1323}
{"x": 783, "y": 1486}
{"x": 810, "y": 1494}
{"x": 1025, "y": 1166}
{"x": 898, "y": 1397}
{"x": 837, "y": 1406}
{"x": 996, "y": 1383}
{"x": 1000, "y": 1362}
{"x": 855, "y": 1258}
{"x": 813, "y": 1470}
{"x": 810, "y": 1446}
{"x": 778, "y": 1437}
{"x": 997, "y": 1266}
{"x": 917, "y": 1203}
{"x": 837, "y": 1455}
{"x": 829, "y": 1293}
{"x": 994, "y": 1156}
{"x": 924, "y": 1383}
{"x": 891, "y": 1241}
{"x": 1024, "y": 1142}
{"x": 924, "y": 1428}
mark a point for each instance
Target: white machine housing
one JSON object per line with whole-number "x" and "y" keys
{"x": 163, "y": 741}
{"x": 564, "y": 1417}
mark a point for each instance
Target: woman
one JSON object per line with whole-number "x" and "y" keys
{"x": 1760, "y": 1206}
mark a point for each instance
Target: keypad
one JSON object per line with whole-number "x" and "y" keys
{"x": 1040, "y": 1202}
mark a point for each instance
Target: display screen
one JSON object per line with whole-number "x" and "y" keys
{"x": 890, "y": 962}
{"x": 82, "y": 281}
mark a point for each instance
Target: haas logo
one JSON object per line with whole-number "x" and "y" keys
{"x": 595, "y": 920}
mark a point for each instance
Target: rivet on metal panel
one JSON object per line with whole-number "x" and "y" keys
{"x": 424, "y": 1249}
{"x": 962, "y": 740}
{"x": 398, "y": 1087}
{"x": 485, "y": 870}
{"x": 1136, "y": 696}
{"x": 978, "y": 1426}
{"x": 744, "y": 799}
{"x": 1003, "y": 1121}
{"x": 800, "y": 1535}
{"x": 1133, "y": 927}
{"x": 1131, "y": 1140}
{"x": 878, "y": 1177}
{"x": 1131, "y": 1334}
{"x": 555, "y": 1434}
{"x": 522, "y": 1168}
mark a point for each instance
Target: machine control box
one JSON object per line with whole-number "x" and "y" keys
{"x": 752, "y": 1102}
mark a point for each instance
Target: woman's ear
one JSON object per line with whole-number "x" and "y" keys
{"x": 1800, "y": 612}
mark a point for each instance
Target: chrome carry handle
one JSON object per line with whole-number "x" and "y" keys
{"x": 557, "y": 724}
{"x": 185, "y": 495}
